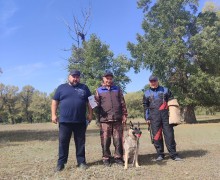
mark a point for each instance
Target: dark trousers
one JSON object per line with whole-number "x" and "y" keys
{"x": 65, "y": 133}
{"x": 107, "y": 131}
{"x": 160, "y": 126}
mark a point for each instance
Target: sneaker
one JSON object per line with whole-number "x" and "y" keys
{"x": 177, "y": 158}
{"x": 106, "y": 162}
{"x": 159, "y": 158}
{"x": 83, "y": 166}
{"x": 119, "y": 161}
{"x": 60, "y": 167}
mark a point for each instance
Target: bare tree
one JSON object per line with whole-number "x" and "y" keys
{"x": 80, "y": 28}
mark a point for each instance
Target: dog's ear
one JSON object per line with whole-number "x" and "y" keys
{"x": 131, "y": 124}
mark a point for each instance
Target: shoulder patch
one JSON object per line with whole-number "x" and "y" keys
{"x": 165, "y": 90}
{"x": 99, "y": 90}
{"x": 147, "y": 93}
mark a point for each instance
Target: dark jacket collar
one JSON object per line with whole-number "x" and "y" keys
{"x": 155, "y": 89}
{"x": 112, "y": 87}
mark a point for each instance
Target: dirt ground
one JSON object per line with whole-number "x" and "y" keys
{"x": 29, "y": 151}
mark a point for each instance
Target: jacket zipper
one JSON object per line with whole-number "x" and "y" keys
{"x": 111, "y": 102}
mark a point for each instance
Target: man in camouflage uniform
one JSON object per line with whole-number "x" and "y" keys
{"x": 112, "y": 114}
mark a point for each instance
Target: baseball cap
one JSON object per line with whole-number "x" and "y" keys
{"x": 74, "y": 72}
{"x": 153, "y": 78}
{"x": 108, "y": 73}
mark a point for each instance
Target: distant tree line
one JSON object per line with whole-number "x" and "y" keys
{"x": 28, "y": 105}
{"x": 32, "y": 106}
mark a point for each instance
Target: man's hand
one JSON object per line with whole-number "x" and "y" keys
{"x": 54, "y": 119}
{"x": 89, "y": 117}
{"x": 148, "y": 122}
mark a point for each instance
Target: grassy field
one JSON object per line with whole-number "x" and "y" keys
{"x": 29, "y": 151}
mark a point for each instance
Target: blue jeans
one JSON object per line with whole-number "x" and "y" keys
{"x": 65, "y": 133}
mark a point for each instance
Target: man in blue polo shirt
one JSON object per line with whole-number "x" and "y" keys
{"x": 72, "y": 99}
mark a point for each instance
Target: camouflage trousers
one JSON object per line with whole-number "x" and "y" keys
{"x": 107, "y": 131}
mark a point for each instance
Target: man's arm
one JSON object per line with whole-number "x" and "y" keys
{"x": 97, "y": 97}
{"x": 124, "y": 108}
{"x": 146, "y": 104}
{"x": 89, "y": 116}
{"x": 97, "y": 110}
{"x": 54, "y": 106}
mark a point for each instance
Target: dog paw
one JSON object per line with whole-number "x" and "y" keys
{"x": 137, "y": 166}
{"x": 125, "y": 168}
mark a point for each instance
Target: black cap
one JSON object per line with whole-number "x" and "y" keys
{"x": 108, "y": 73}
{"x": 153, "y": 78}
{"x": 75, "y": 72}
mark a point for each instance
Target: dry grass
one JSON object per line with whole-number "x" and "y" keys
{"x": 29, "y": 151}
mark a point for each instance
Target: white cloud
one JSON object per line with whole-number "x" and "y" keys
{"x": 7, "y": 11}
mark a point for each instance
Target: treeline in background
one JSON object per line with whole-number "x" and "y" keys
{"x": 27, "y": 105}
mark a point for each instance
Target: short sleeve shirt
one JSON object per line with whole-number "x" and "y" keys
{"x": 72, "y": 102}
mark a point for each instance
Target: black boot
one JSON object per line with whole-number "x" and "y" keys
{"x": 60, "y": 167}
{"x": 106, "y": 162}
{"x": 119, "y": 161}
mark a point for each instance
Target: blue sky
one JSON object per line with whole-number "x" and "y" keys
{"x": 33, "y": 36}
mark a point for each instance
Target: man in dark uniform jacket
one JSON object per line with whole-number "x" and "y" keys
{"x": 157, "y": 116}
{"x": 112, "y": 113}
{"x": 72, "y": 99}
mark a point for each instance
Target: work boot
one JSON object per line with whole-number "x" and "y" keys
{"x": 119, "y": 161}
{"x": 177, "y": 158}
{"x": 106, "y": 162}
{"x": 83, "y": 166}
{"x": 60, "y": 167}
{"x": 159, "y": 158}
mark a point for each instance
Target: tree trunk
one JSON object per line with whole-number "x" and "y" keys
{"x": 12, "y": 121}
{"x": 189, "y": 114}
